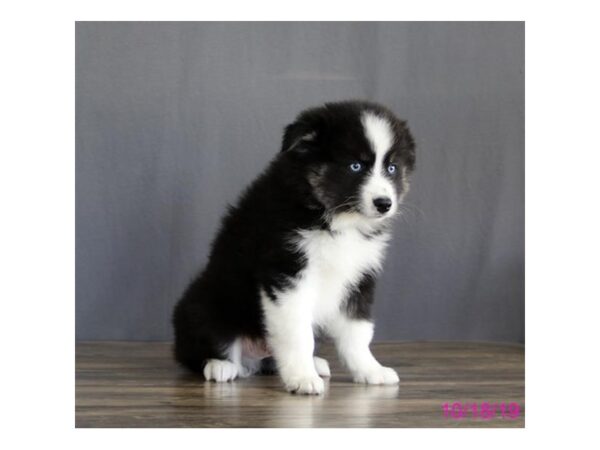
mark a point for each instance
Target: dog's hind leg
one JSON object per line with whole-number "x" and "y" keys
{"x": 201, "y": 350}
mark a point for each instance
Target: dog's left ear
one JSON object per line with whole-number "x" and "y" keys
{"x": 298, "y": 136}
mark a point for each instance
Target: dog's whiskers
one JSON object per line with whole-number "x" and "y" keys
{"x": 348, "y": 201}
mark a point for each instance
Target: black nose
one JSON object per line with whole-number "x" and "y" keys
{"x": 383, "y": 204}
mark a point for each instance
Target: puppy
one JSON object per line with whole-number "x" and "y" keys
{"x": 300, "y": 252}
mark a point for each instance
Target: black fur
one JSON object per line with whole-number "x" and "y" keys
{"x": 306, "y": 180}
{"x": 358, "y": 304}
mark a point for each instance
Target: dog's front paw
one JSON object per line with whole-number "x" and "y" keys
{"x": 377, "y": 375}
{"x": 311, "y": 384}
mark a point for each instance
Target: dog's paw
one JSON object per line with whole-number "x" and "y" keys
{"x": 322, "y": 366}
{"x": 312, "y": 385}
{"x": 220, "y": 370}
{"x": 378, "y": 375}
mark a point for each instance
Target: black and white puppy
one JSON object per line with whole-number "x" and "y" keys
{"x": 300, "y": 252}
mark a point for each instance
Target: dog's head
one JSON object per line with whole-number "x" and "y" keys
{"x": 358, "y": 157}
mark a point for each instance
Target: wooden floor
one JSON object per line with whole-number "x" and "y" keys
{"x": 127, "y": 384}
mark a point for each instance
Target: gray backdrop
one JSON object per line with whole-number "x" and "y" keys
{"x": 173, "y": 119}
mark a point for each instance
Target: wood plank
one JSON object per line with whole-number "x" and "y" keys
{"x": 135, "y": 384}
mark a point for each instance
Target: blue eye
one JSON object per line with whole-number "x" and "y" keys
{"x": 355, "y": 167}
{"x": 391, "y": 168}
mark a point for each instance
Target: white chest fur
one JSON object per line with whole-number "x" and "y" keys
{"x": 336, "y": 263}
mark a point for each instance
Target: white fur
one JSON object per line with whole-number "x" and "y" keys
{"x": 322, "y": 366}
{"x": 220, "y": 370}
{"x": 289, "y": 325}
{"x": 380, "y": 135}
{"x": 245, "y": 365}
{"x": 352, "y": 338}
{"x": 236, "y": 365}
{"x": 336, "y": 262}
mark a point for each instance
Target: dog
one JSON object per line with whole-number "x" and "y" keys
{"x": 299, "y": 254}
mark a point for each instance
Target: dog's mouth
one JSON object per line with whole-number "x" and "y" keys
{"x": 359, "y": 210}
{"x": 377, "y": 216}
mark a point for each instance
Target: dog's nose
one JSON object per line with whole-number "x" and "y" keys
{"x": 383, "y": 204}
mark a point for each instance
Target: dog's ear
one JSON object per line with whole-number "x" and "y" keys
{"x": 298, "y": 137}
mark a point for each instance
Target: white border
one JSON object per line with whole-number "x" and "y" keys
{"x": 37, "y": 188}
